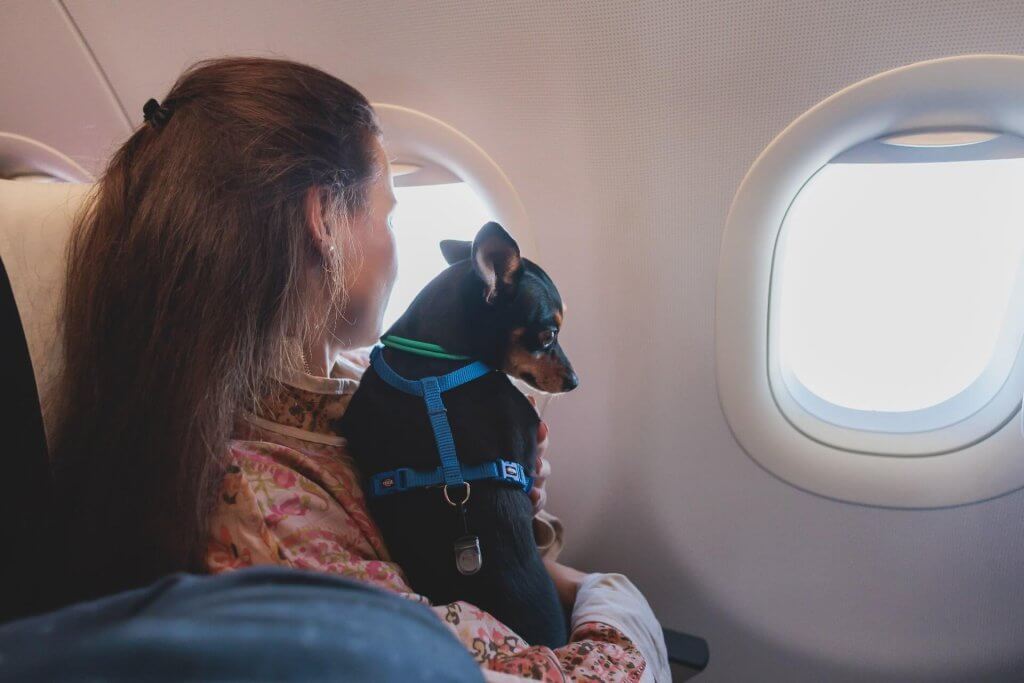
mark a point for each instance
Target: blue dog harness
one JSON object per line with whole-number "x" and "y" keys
{"x": 451, "y": 472}
{"x": 468, "y": 554}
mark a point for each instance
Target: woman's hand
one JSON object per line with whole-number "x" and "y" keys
{"x": 541, "y": 468}
{"x": 538, "y": 496}
{"x": 567, "y": 583}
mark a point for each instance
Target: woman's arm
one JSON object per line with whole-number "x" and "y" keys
{"x": 596, "y": 650}
{"x": 613, "y": 600}
{"x": 614, "y": 635}
{"x": 547, "y": 529}
{"x": 611, "y": 620}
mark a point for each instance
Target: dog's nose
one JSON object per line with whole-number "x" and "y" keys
{"x": 570, "y": 382}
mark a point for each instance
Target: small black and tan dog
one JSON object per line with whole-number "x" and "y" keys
{"x": 494, "y": 306}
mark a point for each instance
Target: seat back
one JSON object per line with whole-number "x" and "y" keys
{"x": 35, "y": 220}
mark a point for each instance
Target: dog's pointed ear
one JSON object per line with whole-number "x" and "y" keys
{"x": 456, "y": 250}
{"x": 497, "y": 262}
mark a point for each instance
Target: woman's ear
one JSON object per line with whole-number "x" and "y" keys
{"x": 497, "y": 262}
{"x": 319, "y": 233}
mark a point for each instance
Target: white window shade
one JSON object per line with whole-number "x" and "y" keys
{"x": 408, "y": 173}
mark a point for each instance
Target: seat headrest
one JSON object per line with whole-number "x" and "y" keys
{"x": 35, "y": 221}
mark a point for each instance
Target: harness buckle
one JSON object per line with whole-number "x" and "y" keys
{"x": 510, "y": 472}
{"x": 392, "y": 482}
{"x": 463, "y": 501}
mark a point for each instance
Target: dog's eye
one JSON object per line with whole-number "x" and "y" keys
{"x": 547, "y": 338}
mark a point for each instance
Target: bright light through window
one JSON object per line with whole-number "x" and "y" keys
{"x": 425, "y": 215}
{"x": 896, "y": 279}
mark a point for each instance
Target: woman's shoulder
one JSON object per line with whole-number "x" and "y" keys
{"x": 299, "y": 412}
{"x": 287, "y": 500}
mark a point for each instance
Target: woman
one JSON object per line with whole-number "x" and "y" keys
{"x": 237, "y": 250}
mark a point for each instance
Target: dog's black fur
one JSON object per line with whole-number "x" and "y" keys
{"x": 493, "y": 305}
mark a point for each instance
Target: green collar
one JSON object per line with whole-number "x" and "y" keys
{"x": 419, "y": 348}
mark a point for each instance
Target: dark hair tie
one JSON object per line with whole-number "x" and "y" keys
{"x": 154, "y": 114}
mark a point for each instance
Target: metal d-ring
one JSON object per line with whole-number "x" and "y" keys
{"x": 463, "y": 501}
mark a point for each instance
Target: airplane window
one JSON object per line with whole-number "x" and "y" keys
{"x": 869, "y": 318}
{"x": 425, "y": 215}
{"x": 896, "y": 271}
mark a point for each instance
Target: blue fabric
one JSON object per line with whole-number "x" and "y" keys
{"x": 457, "y": 378}
{"x": 260, "y": 623}
{"x": 450, "y": 473}
{"x": 442, "y": 429}
{"x": 405, "y": 478}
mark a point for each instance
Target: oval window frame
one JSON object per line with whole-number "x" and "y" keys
{"x": 438, "y": 152}
{"x": 986, "y": 457}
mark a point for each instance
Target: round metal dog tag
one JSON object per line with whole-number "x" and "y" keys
{"x": 468, "y": 557}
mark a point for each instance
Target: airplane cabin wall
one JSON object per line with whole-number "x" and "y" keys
{"x": 626, "y": 128}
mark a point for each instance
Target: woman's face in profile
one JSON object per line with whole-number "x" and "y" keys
{"x": 370, "y": 289}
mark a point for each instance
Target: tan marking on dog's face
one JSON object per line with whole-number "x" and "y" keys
{"x": 538, "y": 369}
{"x": 558, "y": 318}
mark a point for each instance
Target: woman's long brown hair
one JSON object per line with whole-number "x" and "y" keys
{"x": 187, "y": 273}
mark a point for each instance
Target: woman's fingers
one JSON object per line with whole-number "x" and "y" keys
{"x": 538, "y": 494}
{"x": 541, "y": 470}
{"x": 539, "y": 498}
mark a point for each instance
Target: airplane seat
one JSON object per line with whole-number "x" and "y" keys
{"x": 35, "y": 220}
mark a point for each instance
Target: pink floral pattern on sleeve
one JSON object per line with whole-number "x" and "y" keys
{"x": 596, "y": 652}
{"x": 297, "y": 502}
{"x": 272, "y": 512}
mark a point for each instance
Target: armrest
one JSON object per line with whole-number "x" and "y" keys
{"x": 686, "y": 650}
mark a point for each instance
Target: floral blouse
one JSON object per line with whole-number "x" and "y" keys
{"x": 292, "y": 496}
